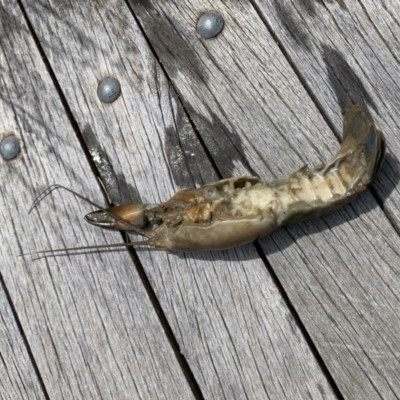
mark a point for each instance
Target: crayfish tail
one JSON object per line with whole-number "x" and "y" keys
{"x": 334, "y": 184}
{"x": 359, "y": 133}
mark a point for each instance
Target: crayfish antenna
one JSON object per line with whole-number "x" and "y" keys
{"x": 51, "y": 188}
{"x": 100, "y": 246}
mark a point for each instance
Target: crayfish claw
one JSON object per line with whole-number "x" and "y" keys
{"x": 124, "y": 218}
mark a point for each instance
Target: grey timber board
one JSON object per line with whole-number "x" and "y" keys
{"x": 255, "y": 114}
{"x": 18, "y": 378}
{"x": 89, "y": 323}
{"x": 230, "y": 320}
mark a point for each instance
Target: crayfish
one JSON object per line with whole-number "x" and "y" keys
{"x": 236, "y": 211}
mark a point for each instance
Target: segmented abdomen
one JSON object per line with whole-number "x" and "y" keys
{"x": 310, "y": 193}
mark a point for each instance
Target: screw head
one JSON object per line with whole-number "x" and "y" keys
{"x": 108, "y": 90}
{"x": 9, "y": 147}
{"x": 210, "y": 24}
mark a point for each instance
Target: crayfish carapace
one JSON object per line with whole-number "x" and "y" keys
{"x": 236, "y": 211}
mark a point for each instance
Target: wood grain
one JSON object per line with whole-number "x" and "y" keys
{"x": 341, "y": 271}
{"x": 231, "y": 323}
{"x": 88, "y": 320}
{"x": 18, "y": 376}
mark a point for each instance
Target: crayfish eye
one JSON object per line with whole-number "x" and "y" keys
{"x": 154, "y": 218}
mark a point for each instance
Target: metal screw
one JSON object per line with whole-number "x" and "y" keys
{"x": 210, "y": 24}
{"x": 9, "y": 147}
{"x": 109, "y": 89}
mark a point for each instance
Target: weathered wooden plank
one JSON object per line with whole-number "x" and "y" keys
{"x": 18, "y": 378}
{"x": 230, "y": 320}
{"x": 340, "y": 271}
{"x": 90, "y": 324}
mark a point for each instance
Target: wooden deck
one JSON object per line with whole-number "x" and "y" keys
{"x": 311, "y": 311}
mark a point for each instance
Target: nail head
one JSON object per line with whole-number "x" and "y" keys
{"x": 210, "y": 24}
{"x": 9, "y": 147}
{"x": 109, "y": 89}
